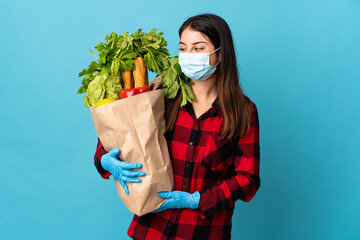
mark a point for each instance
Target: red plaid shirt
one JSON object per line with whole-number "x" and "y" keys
{"x": 223, "y": 171}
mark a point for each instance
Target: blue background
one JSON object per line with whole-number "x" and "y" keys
{"x": 298, "y": 61}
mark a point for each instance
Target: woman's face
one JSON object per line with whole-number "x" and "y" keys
{"x": 195, "y": 42}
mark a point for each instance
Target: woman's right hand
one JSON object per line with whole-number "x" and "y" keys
{"x": 156, "y": 83}
{"x": 121, "y": 170}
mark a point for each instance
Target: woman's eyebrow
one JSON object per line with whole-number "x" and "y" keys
{"x": 194, "y": 43}
{"x": 199, "y": 42}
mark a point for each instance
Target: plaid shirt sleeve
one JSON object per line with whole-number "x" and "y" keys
{"x": 100, "y": 151}
{"x": 245, "y": 180}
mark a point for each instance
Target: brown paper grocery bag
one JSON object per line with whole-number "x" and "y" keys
{"x": 136, "y": 126}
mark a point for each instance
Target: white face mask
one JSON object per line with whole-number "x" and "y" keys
{"x": 196, "y": 66}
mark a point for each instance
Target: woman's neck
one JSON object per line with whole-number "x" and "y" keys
{"x": 206, "y": 93}
{"x": 205, "y": 90}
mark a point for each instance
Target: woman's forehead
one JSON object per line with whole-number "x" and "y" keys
{"x": 189, "y": 36}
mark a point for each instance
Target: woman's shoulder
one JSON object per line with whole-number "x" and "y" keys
{"x": 253, "y": 115}
{"x": 254, "y": 108}
{"x": 254, "y": 120}
{"x": 251, "y": 104}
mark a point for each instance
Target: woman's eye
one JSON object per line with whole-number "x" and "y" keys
{"x": 181, "y": 49}
{"x": 199, "y": 49}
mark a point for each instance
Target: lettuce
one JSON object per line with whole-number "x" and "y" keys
{"x": 95, "y": 91}
{"x": 113, "y": 87}
{"x": 103, "y": 86}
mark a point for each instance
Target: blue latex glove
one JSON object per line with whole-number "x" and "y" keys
{"x": 121, "y": 170}
{"x": 179, "y": 199}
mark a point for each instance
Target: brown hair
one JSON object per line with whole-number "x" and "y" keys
{"x": 234, "y": 104}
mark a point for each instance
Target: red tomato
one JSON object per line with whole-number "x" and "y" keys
{"x": 121, "y": 94}
{"x": 143, "y": 89}
{"x": 124, "y": 93}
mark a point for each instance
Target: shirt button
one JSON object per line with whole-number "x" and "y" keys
{"x": 191, "y": 143}
{"x": 183, "y": 186}
{"x": 187, "y": 164}
{"x": 169, "y": 224}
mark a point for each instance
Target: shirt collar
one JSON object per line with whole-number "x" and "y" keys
{"x": 215, "y": 106}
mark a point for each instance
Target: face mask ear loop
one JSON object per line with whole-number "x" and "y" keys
{"x": 213, "y": 52}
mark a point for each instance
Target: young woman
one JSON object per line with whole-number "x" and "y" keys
{"x": 213, "y": 143}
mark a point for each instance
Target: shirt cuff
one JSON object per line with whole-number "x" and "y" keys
{"x": 104, "y": 173}
{"x": 206, "y": 205}
{"x": 100, "y": 151}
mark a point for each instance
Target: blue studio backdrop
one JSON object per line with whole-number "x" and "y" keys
{"x": 298, "y": 61}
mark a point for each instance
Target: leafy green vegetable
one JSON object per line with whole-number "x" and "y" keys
{"x": 103, "y": 86}
{"x": 173, "y": 80}
{"x": 117, "y": 54}
{"x": 112, "y": 87}
{"x": 95, "y": 91}
{"x": 90, "y": 73}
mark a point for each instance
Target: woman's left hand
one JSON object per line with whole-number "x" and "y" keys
{"x": 179, "y": 199}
